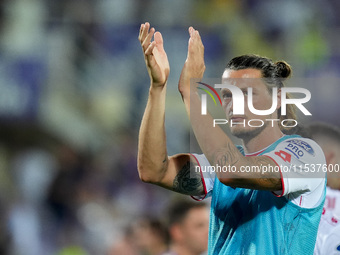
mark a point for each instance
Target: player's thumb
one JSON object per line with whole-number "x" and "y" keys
{"x": 158, "y": 39}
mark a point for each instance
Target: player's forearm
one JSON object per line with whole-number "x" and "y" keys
{"x": 221, "y": 152}
{"x": 211, "y": 139}
{"x": 152, "y": 153}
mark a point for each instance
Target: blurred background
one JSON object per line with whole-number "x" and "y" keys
{"x": 73, "y": 88}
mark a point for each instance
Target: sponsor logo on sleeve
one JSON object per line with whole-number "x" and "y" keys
{"x": 298, "y": 147}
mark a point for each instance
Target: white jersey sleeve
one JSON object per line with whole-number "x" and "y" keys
{"x": 208, "y": 177}
{"x": 303, "y": 171}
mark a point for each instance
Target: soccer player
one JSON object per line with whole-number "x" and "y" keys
{"x": 188, "y": 224}
{"x": 251, "y": 212}
{"x": 328, "y": 137}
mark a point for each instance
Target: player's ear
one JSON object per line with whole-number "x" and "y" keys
{"x": 175, "y": 232}
{"x": 278, "y": 106}
{"x": 330, "y": 157}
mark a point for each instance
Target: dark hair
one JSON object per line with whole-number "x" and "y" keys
{"x": 273, "y": 73}
{"x": 269, "y": 69}
{"x": 300, "y": 130}
{"x": 156, "y": 226}
{"x": 178, "y": 210}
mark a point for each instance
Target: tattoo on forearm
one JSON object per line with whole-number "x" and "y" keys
{"x": 227, "y": 156}
{"x": 188, "y": 181}
{"x": 222, "y": 160}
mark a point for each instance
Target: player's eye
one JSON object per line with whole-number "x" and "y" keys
{"x": 227, "y": 96}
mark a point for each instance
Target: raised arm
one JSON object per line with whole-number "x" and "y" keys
{"x": 215, "y": 144}
{"x": 154, "y": 166}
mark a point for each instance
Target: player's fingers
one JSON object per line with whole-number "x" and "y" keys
{"x": 190, "y": 47}
{"x": 194, "y": 33}
{"x": 140, "y": 31}
{"x": 149, "y": 58}
{"x": 150, "y": 48}
{"x": 198, "y": 34}
{"x": 191, "y": 29}
{"x": 144, "y": 31}
{"x": 147, "y": 39}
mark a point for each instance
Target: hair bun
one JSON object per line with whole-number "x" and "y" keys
{"x": 283, "y": 69}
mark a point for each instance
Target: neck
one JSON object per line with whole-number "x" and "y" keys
{"x": 267, "y": 136}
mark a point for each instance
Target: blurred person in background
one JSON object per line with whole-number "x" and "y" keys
{"x": 5, "y": 236}
{"x": 150, "y": 236}
{"x": 188, "y": 228}
{"x": 125, "y": 244}
{"x": 145, "y": 236}
{"x": 328, "y": 137}
{"x": 246, "y": 218}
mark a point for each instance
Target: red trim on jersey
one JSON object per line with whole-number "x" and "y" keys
{"x": 282, "y": 182}
{"x": 255, "y": 153}
{"x": 203, "y": 181}
{"x": 300, "y": 201}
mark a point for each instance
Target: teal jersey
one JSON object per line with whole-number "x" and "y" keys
{"x": 246, "y": 221}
